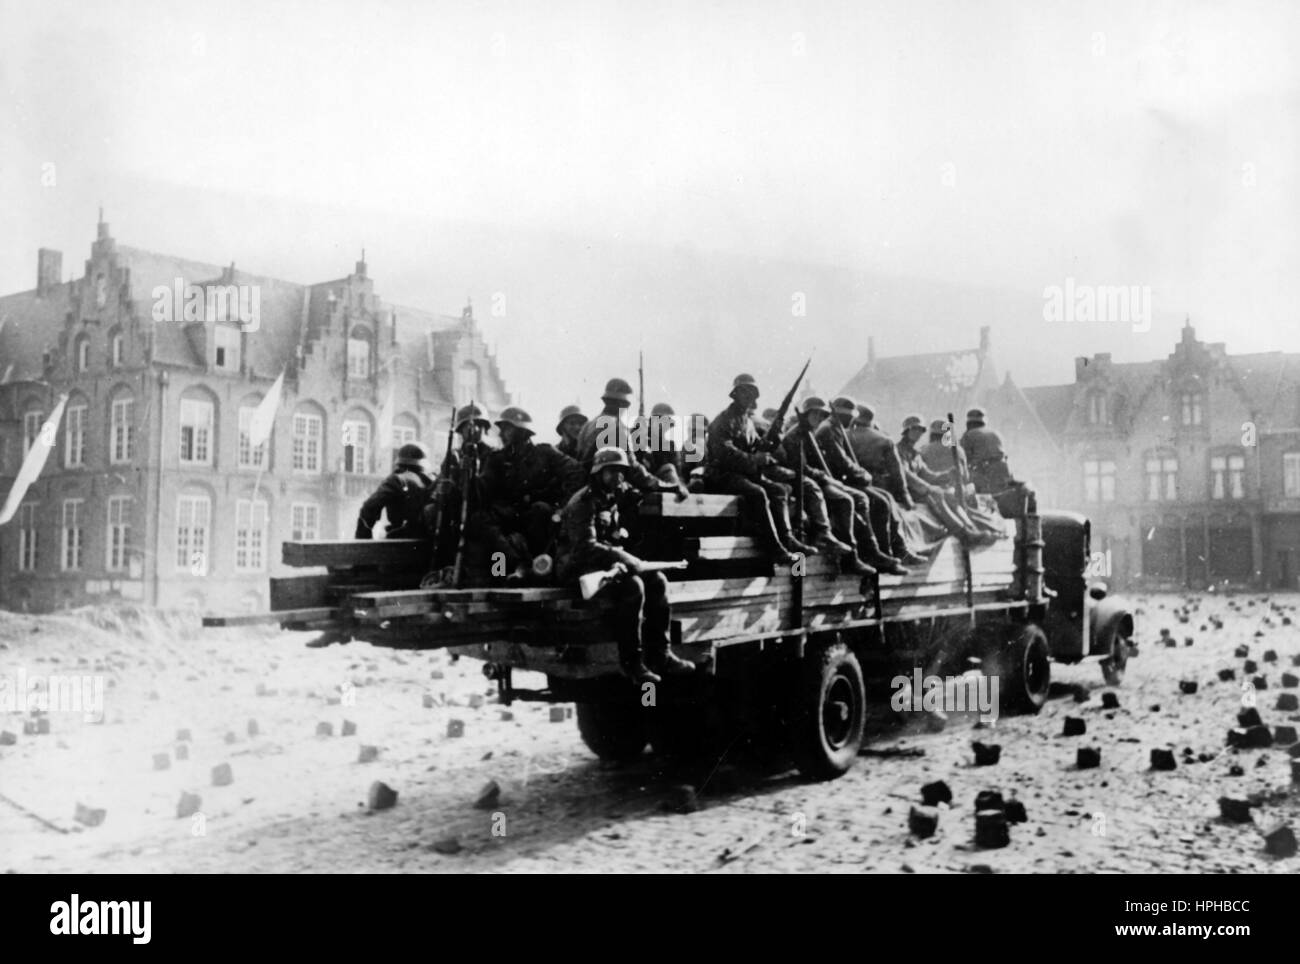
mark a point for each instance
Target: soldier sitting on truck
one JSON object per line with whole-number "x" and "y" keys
{"x": 402, "y": 496}
{"x": 660, "y": 452}
{"x": 849, "y": 509}
{"x": 988, "y": 466}
{"x": 523, "y": 486}
{"x": 568, "y": 428}
{"x": 469, "y": 425}
{"x": 735, "y": 466}
{"x": 608, "y": 430}
{"x": 591, "y": 539}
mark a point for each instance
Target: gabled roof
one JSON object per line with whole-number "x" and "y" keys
{"x": 30, "y": 323}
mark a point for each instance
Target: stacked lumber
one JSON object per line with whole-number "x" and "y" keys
{"x": 398, "y": 553}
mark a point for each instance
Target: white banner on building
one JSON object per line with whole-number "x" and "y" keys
{"x": 34, "y": 462}
{"x": 263, "y": 420}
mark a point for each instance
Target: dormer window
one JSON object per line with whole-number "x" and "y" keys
{"x": 359, "y": 354}
{"x": 1098, "y": 410}
{"x": 227, "y": 348}
{"x": 83, "y": 353}
{"x": 1190, "y": 408}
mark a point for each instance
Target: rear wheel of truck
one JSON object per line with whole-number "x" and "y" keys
{"x": 613, "y": 730}
{"x": 1024, "y": 670}
{"x": 1112, "y": 666}
{"x": 828, "y": 713}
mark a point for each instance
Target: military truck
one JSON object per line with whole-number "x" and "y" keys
{"x": 787, "y": 652}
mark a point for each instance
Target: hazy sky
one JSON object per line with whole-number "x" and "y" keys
{"x": 1007, "y": 145}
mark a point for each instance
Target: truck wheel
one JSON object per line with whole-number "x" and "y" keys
{"x": 612, "y": 730}
{"x": 1025, "y": 671}
{"x": 1112, "y": 667}
{"x": 829, "y": 713}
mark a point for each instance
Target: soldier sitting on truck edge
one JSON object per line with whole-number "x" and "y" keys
{"x": 402, "y": 496}
{"x": 591, "y": 538}
{"x": 988, "y": 466}
{"x": 735, "y": 467}
{"x": 523, "y": 486}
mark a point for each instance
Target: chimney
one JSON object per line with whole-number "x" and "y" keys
{"x": 1080, "y": 367}
{"x": 360, "y": 270}
{"x": 102, "y": 227}
{"x": 49, "y": 270}
{"x": 985, "y": 342}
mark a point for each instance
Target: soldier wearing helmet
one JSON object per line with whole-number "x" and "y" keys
{"x": 987, "y": 456}
{"x": 607, "y": 430}
{"x": 658, "y": 449}
{"x": 591, "y": 539}
{"x": 523, "y": 485}
{"x": 402, "y": 497}
{"x": 848, "y": 509}
{"x": 568, "y": 428}
{"x": 736, "y": 466}
{"x": 940, "y": 456}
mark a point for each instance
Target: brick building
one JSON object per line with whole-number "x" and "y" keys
{"x": 153, "y": 492}
{"x": 1189, "y": 466}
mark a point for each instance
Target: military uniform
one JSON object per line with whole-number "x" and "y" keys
{"x": 403, "y": 496}
{"x": 939, "y": 457}
{"x": 523, "y": 485}
{"x": 607, "y": 430}
{"x": 988, "y": 466}
{"x": 568, "y": 445}
{"x": 590, "y": 540}
{"x": 876, "y": 452}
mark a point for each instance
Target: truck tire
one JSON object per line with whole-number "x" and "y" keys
{"x": 1112, "y": 666}
{"x": 829, "y": 713}
{"x": 613, "y": 730}
{"x": 1025, "y": 671}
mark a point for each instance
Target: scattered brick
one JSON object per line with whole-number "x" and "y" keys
{"x": 923, "y": 821}
{"x": 936, "y": 793}
{"x": 368, "y": 754}
{"x": 349, "y": 728}
{"x": 382, "y": 796}
{"x": 89, "y": 816}
{"x": 1288, "y": 702}
{"x": 1284, "y": 735}
{"x": 182, "y": 751}
{"x": 1109, "y": 701}
{"x": 1015, "y": 811}
{"x": 162, "y": 761}
{"x": 1188, "y": 686}
{"x": 188, "y": 805}
{"x": 324, "y": 728}
{"x": 1162, "y": 759}
{"x": 1088, "y": 757}
{"x": 488, "y": 797}
{"x": 986, "y": 754}
{"x": 991, "y": 829}
{"x": 557, "y": 714}
{"x": 455, "y": 728}
{"x": 1248, "y": 717}
{"x": 1279, "y": 840}
{"x": 1227, "y": 674}
{"x": 1234, "y": 811}
{"x": 222, "y": 775}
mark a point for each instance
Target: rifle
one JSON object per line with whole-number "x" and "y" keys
{"x": 593, "y": 582}
{"x": 640, "y": 386}
{"x": 440, "y": 488}
{"x": 963, "y": 477}
{"x": 772, "y": 439}
{"x": 468, "y": 475}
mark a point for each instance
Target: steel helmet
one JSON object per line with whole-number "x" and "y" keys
{"x": 742, "y": 380}
{"x": 410, "y": 454}
{"x": 609, "y": 457}
{"x": 516, "y": 416}
{"x": 844, "y": 405}
{"x": 617, "y": 390}
{"x": 468, "y": 413}
{"x": 663, "y": 408}
{"x": 566, "y": 413}
{"x": 913, "y": 421}
{"x": 813, "y": 404}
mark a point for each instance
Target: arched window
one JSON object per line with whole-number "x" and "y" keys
{"x": 74, "y": 432}
{"x": 121, "y": 426}
{"x": 116, "y": 349}
{"x": 359, "y": 352}
{"x": 308, "y": 438}
{"x": 194, "y": 532}
{"x": 82, "y": 353}
{"x": 358, "y": 442}
{"x": 1161, "y": 475}
{"x": 198, "y": 427}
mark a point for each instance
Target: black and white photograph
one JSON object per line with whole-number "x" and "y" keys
{"x": 662, "y": 438}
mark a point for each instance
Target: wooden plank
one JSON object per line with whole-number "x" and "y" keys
{"x": 258, "y": 619}
{"x": 372, "y": 600}
{"x": 532, "y": 594}
{"x": 725, "y": 548}
{"x": 299, "y": 592}
{"x": 356, "y": 552}
{"x": 695, "y": 506}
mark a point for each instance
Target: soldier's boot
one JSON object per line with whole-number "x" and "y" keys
{"x": 869, "y": 551}
{"x": 781, "y": 556}
{"x": 785, "y": 533}
{"x": 669, "y": 663}
{"x": 634, "y": 667}
{"x": 852, "y": 565}
{"x": 824, "y": 541}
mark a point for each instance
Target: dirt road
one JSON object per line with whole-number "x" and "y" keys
{"x": 297, "y": 801}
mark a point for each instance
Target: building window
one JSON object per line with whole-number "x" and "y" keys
{"x": 192, "y": 519}
{"x": 74, "y": 437}
{"x": 227, "y": 346}
{"x": 359, "y": 354}
{"x": 1227, "y": 477}
{"x": 1291, "y": 475}
{"x": 116, "y": 346}
{"x": 32, "y": 422}
{"x": 27, "y": 537}
{"x": 306, "y": 442}
{"x": 250, "y": 535}
{"x": 249, "y": 457}
{"x": 83, "y": 353}
{"x": 305, "y": 522}
{"x": 196, "y": 432}
{"x": 356, "y": 447}
{"x": 1191, "y": 408}
{"x": 1099, "y": 481}
{"x": 1098, "y": 413}
{"x": 121, "y": 431}
{"x": 72, "y": 531}
{"x": 1162, "y": 478}
{"x": 119, "y": 531}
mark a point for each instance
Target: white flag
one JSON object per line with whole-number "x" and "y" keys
{"x": 263, "y": 420}
{"x": 34, "y": 462}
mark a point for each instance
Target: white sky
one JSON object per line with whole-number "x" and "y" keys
{"x": 1006, "y": 145}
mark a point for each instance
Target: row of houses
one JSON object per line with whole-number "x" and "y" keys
{"x": 152, "y": 491}
{"x": 1188, "y": 466}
